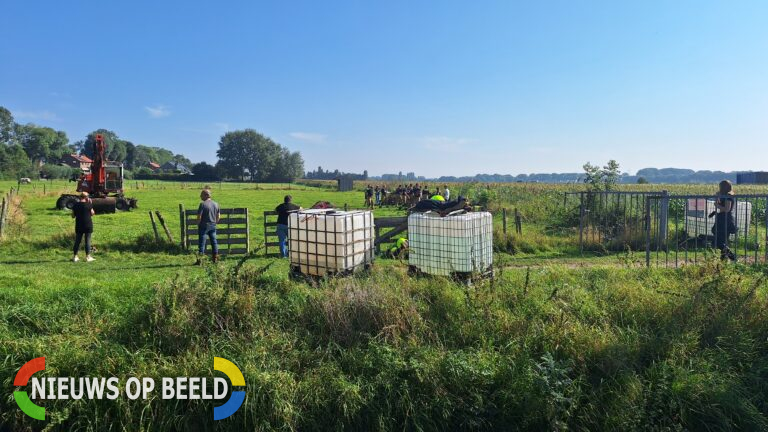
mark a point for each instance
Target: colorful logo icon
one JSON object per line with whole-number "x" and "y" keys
{"x": 236, "y": 377}
{"x": 22, "y": 398}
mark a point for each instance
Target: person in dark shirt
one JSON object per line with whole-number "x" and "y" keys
{"x": 208, "y": 215}
{"x": 369, "y": 196}
{"x": 82, "y": 212}
{"x": 282, "y": 223}
{"x": 725, "y": 225}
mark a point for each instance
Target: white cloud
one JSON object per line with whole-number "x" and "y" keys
{"x": 309, "y": 137}
{"x": 446, "y": 144}
{"x": 36, "y": 115}
{"x": 158, "y": 111}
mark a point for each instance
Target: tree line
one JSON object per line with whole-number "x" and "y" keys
{"x": 30, "y": 151}
{"x": 320, "y": 174}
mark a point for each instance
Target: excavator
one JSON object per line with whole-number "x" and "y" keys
{"x": 104, "y": 184}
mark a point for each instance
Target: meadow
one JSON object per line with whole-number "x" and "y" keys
{"x": 556, "y": 341}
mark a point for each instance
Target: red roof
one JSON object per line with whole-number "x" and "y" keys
{"x": 154, "y": 165}
{"x": 81, "y": 158}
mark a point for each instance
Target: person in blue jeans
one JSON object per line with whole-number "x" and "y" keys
{"x": 282, "y": 223}
{"x": 208, "y": 215}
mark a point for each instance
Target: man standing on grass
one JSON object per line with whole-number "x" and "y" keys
{"x": 282, "y": 223}
{"x": 82, "y": 212}
{"x": 208, "y": 215}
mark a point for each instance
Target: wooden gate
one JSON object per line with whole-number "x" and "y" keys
{"x": 270, "y": 234}
{"x": 232, "y": 231}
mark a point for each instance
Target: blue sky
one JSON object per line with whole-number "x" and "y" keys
{"x": 439, "y": 88}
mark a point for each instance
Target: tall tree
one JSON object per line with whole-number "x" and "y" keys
{"x": 248, "y": 151}
{"x": 205, "y": 172}
{"x": 181, "y": 159}
{"x": 116, "y": 148}
{"x": 7, "y": 126}
{"x": 289, "y": 166}
{"x": 42, "y": 143}
{"x": 130, "y": 155}
{"x": 14, "y": 162}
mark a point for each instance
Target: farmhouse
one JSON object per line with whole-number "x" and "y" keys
{"x": 175, "y": 167}
{"x": 77, "y": 161}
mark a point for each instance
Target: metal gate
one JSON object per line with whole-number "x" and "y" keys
{"x": 673, "y": 230}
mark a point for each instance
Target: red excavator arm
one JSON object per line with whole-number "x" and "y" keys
{"x": 95, "y": 181}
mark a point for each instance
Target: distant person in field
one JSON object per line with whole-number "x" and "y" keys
{"x": 369, "y": 196}
{"x": 208, "y": 215}
{"x": 425, "y": 194}
{"x": 725, "y": 224}
{"x": 446, "y": 193}
{"x": 82, "y": 212}
{"x": 283, "y": 211}
{"x": 377, "y": 193}
{"x": 416, "y": 193}
{"x": 384, "y": 194}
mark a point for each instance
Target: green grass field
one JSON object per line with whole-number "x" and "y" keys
{"x": 556, "y": 341}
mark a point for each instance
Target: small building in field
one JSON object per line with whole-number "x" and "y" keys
{"x": 759, "y": 177}
{"x": 73, "y": 160}
{"x": 345, "y": 183}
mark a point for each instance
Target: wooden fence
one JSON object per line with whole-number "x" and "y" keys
{"x": 232, "y": 231}
{"x": 5, "y": 207}
{"x": 397, "y": 224}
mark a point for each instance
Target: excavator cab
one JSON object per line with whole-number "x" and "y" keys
{"x": 114, "y": 182}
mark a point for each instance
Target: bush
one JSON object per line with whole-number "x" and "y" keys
{"x": 353, "y": 312}
{"x": 50, "y": 171}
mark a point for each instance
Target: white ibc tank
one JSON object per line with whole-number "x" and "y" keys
{"x": 698, "y": 222}
{"x": 452, "y": 244}
{"x": 328, "y": 241}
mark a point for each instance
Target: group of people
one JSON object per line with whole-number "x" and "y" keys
{"x": 410, "y": 194}
{"x": 375, "y": 195}
{"x": 407, "y": 195}
{"x": 209, "y": 215}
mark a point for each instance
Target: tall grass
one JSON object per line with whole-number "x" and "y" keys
{"x": 555, "y": 349}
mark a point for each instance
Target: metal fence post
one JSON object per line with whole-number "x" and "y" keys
{"x": 647, "y": 231}
{"x": 581, "y": 223}
{"x": 766, "y": 229}
{"x": 664, "y": 218}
